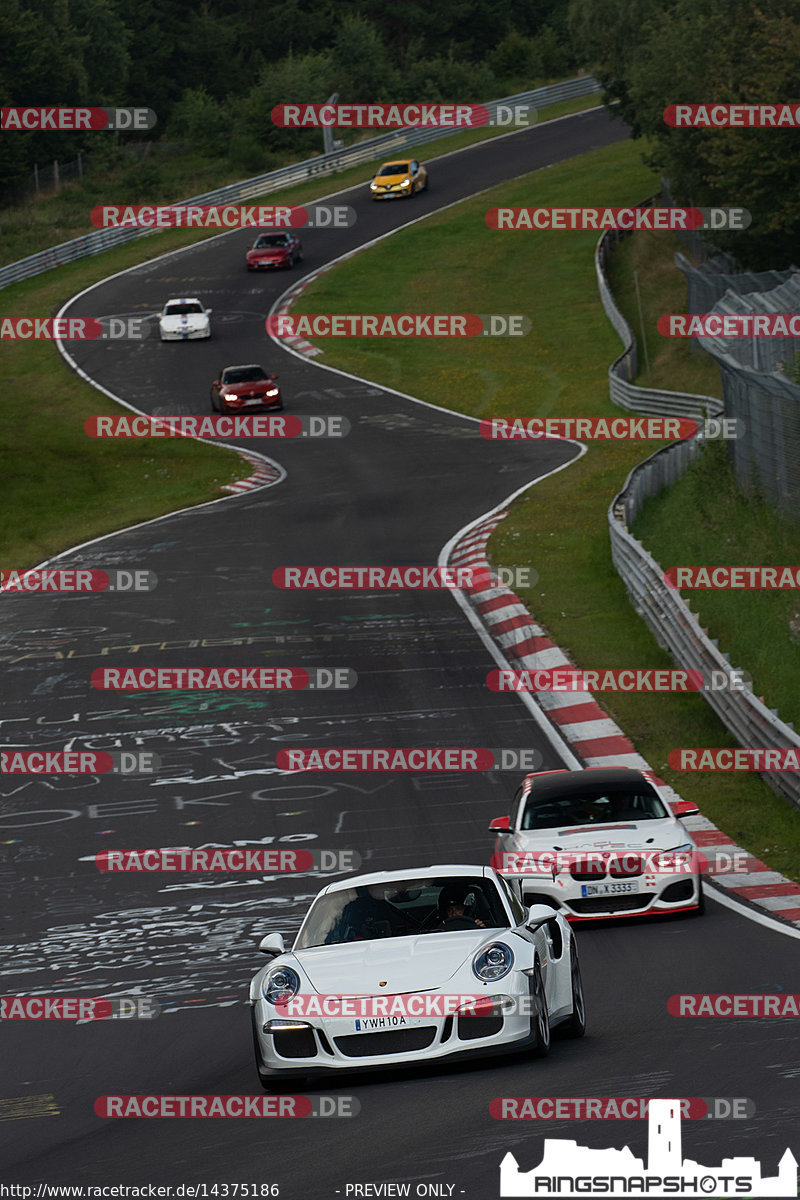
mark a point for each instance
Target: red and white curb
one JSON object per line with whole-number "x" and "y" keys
{"x": 596, "y": 739}
{"x": 300, "y": 345}
{"x": 265, "y": 473}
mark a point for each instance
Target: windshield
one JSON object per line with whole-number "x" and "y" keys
{"x": 179, "y": 308}
{"x": 267, "y": 240}
{"x": 592, "y": 806}
{"x": 402, "y": 907}
{"x": 243, "y": 374}
{"x": 394, "y": 169}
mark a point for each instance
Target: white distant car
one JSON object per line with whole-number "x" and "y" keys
{"x": 599, "y": 843}
{"x": 184, "y": 320}
{"x": 401, "y": 967}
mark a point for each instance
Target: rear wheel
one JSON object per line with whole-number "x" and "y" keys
{"x": 540, "y": 1018}
{"x": 575, "y": 1026}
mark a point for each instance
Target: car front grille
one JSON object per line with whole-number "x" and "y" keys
{"x": 611, "y": 904}
{"x": 392, "y": 1041}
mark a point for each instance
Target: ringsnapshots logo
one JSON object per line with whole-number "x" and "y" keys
{"x": 409, "y": 758}
{"x": 398, "y": 116}
{"x": 75, "y": 580}
{"x": 223, "y": 679}
{"x": 225, "y": 425}
{"x": 400, "y": 325}
{"x": 567, "y": 1169}
{"x": 233, "y": 860}
{"x": 54, "y": 119}
{"x": 222, "y": 216}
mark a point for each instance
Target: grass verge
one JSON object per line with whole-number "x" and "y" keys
{"x": 560, "y": 526}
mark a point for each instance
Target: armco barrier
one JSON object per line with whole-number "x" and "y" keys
{"x": 261, "y": 185}
{"x": 668, "y": 616}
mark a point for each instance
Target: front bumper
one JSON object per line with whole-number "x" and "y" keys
{"x": 188, "y": 335}
{"x": 395, "y": 193}
{"x": 265, "y": 264}
{"x": 268, "y": 404}
{"x": 651, "y": 895}
{"x": 319, "y": 1045}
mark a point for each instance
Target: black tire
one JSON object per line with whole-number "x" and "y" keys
{"x": 575, "y": 1026}
{"x": 540, "y": 1018}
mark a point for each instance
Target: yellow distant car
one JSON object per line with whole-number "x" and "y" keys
{"x": 399, "y": 177}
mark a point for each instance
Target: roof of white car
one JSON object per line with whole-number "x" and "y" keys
{"x": 183, "y": 300}
{"x": 410, "y": 873}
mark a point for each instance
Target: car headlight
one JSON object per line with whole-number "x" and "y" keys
{"x": 493, "y": 962}
{"x": 374, "y": 187}
{"x": 405, "y": 183}
{"x": 280, "y": 984}
{"x": 686, "y": 848}
{"x": 272, "y": 392}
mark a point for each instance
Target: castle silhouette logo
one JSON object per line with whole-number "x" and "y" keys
{"x": 568, "y": 1169}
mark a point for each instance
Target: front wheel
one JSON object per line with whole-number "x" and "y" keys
{"x": 575, "y": 1026}
{"x": 540, "y": 1018}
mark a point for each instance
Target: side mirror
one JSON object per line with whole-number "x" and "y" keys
{"x": 500, "y": 825}
{"x": 249, "y": 245}
{"x": 215, "y": 383}
{"x": 684, "y": 808}
{"x": 272, "y": 944}
{"x": 209, "y": 312}
{"x": 538, "y": 914}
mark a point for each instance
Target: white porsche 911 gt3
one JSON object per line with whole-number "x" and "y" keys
{"x": 400, "y": 967}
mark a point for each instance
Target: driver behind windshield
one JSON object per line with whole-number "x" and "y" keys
{"x": 453, "y": 910}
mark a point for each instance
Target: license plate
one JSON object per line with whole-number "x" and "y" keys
{"x": 380, "y": 1024}
{"x": 610, "y": 889}
{"x": 255, "y": 400}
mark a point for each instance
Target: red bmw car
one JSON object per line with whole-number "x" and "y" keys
{"x": 248, "y": 386}
{"x": 272, "y": 250}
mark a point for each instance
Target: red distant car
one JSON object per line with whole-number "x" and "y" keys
{"x": 273, "y": 250}
{"x": 248, "y": 386}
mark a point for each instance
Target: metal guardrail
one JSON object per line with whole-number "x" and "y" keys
{"x": 675, "y": 627}
{"x": 261, "y": 185}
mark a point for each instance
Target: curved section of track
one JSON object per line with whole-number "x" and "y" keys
{"x": 395, "y": 491}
